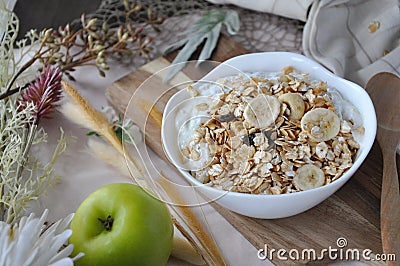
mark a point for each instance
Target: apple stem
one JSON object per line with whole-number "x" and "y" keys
{"x": 107, "y": 223}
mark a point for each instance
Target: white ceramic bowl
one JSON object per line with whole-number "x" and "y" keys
{"x": 284, "y": 205}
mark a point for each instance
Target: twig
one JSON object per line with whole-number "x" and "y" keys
{"x": 13, "y": 91}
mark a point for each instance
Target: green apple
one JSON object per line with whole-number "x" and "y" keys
{"x": 121, "y": 224}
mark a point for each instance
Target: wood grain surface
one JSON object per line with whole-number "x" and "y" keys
{"x": 384, "y": 90}
{"x": 351, "y": 213}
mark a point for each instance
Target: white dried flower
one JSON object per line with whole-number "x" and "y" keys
{"x": 30, "y": 243}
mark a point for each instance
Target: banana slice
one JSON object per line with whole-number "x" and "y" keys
{"x": 295, "y": 103}
{"x": 262, "y": 111}
{"x": 308, "y": 177}
{"x": 321, "y": 124}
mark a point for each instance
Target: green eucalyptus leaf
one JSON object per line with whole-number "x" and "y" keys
{"x": 232, "y": 22}
{"x": 182, "y": 57}
{"x": 207, "y": 29}
{"x": 211, "y": 42}
{"x": 174, "y": 46}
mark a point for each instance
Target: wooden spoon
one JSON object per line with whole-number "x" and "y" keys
{"x": 384, "y": 89}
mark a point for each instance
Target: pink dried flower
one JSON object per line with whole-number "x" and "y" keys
{"x": 44, "y": 92}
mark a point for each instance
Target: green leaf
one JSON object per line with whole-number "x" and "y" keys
{"x": 92, "y": 133}
{"x": 232, "y": 22}
{"x": 212, "y": 39}
{"x": 174, "y": 46}
{"x": 119, "y": 133}
{"x": 207, "y": 29}
{"x": 182, "y": 57}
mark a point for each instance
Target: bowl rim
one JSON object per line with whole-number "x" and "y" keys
{"x": 324, "y": 72}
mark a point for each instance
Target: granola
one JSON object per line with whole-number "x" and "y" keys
{"x": 271, "y": 133}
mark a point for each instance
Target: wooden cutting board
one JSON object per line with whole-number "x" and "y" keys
{"x": 351, "y": 213}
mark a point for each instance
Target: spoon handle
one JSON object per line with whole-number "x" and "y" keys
{"x": 390, "y": 199}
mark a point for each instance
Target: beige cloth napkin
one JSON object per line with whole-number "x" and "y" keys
{"x": 296, "y": 9}
{"x": 353, "y": 38}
